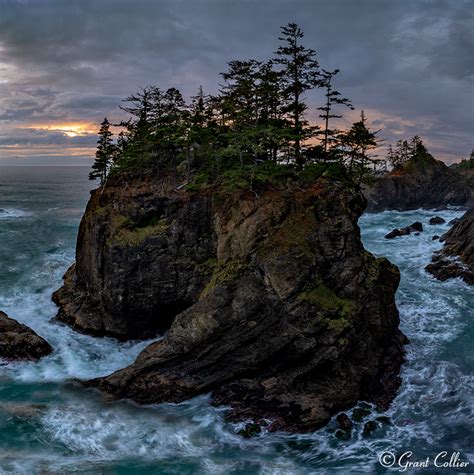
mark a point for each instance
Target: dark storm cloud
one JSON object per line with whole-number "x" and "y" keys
{"x": 408, "y": 63}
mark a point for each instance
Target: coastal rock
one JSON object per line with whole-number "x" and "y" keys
{"x": 344, "y": 422}
{"x": 416, "y": 227}
{"x": 145, "y": 252}
{"x": 437, "y": 220}
{"x": 288, "y": 317}
{"x": 423, "y": 182}
{"x": 18, "y": 342}
{"x": 456, "y": 258}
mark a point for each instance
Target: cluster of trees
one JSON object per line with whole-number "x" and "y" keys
{"x": 405, "y": 150}
{"x": 258, "y": 116}
{"x": 465, "y": 163}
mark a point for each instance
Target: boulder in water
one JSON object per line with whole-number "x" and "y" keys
{"x": 437, "y": 220}
{"x": 416, "y": 227}
{"x": 393, "y": 234}
{"x": 17, "y": 341}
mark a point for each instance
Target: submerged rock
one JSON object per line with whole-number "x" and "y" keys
{"x": 250, "y": 430}
{"x": 360, "y": 413}
{"x": 369, "y": 427}
{"x": 456, "y": 258}
{"x": 17, "y": 341}
{"x": 344, "y": 422}
{"x": 271, "y": 302}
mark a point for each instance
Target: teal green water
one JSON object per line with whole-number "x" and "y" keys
{"x": 49, "y": 425}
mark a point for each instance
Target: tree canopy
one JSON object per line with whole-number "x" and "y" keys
{"x": 259, "y": 122}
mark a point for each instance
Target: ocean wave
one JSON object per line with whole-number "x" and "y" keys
{"x": 11, "y": 213}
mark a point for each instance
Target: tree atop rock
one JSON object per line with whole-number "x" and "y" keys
{"x": 299, "y": 73}
{"x": 105, "y": 154}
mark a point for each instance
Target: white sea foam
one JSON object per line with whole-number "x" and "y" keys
{"x": 11, "y": 213}
{"x": 75, "y": 355}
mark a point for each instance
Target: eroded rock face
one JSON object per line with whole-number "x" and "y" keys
{"x": 422, "y": 183}
{"x": 18, "y": 342}
{"x": 288, "y": 316}
{"x": 144, "y": 253}
{"x": 456, "y": 258}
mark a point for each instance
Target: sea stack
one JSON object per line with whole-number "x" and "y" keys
{"x": 422, "y": 182}
{"x": 266, "y": 297}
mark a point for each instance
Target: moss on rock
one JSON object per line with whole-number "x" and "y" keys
{"x": 131, "y": 236}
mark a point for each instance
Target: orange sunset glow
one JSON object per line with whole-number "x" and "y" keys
{"x": 72, "y": 129}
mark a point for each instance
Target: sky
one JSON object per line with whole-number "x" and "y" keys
{"x": 65, "y": 64}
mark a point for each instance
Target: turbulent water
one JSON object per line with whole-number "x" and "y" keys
{"x": 50, "y": 425}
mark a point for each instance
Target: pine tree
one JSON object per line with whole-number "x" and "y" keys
{"x": 417, "y": 147}
{"x": 274, "y": 126}
{"x": 358, "y": 143}
{"x": 392, "y": 158}
{"x": 402, "y": 151}
{"x": 332, "y": 98}
{"x": 299, "y": 73}
{"x": 105, "y": 154}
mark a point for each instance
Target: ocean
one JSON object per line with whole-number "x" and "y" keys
{"x": 49, "y": 424}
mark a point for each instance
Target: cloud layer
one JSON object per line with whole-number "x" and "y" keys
{"x": 407, "y": 64}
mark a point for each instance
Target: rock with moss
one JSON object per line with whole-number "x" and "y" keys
{"x": 145, "y": 252}
{"x": 269, "y": 299}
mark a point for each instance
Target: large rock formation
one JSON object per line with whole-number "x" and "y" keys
{"x": 18, "y": 342}
{"x": 423, "y": 182}
{"x": 271, "y": 301}
{"x": 456, "y": 258}
{"x": 144, "y": 253}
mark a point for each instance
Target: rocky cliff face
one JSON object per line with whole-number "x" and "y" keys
{"x": 144, "y": 253}
{"x": 423, "y": 183}
{"x": 270, "y": 300}
{"x": 456, "y": 258}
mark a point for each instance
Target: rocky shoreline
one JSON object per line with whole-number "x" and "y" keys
{"x": 456, "y": 258}
{"x": 267, "y": 298}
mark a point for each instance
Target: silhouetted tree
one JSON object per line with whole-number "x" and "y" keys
{"x": 105, "y": 154}
{"x": 358, "y": 143}
{"x": 299, "y": 73}
{"x": 333, "y": 98}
